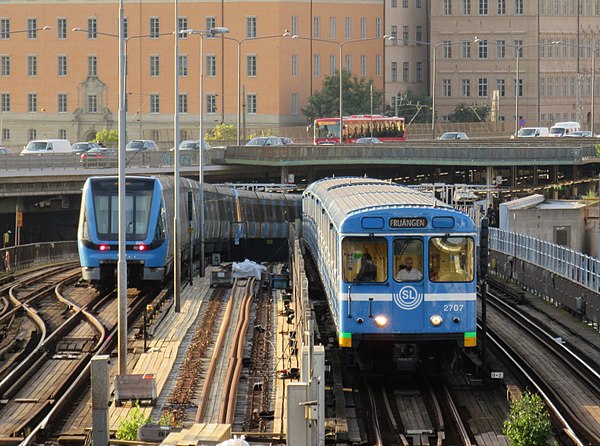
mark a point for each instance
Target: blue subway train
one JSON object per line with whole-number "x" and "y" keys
{"x": 397, "y": 266}
{"x": 232, "y": 217}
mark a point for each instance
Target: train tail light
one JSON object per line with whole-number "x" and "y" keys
{"x": 104, "y": 248}
{"x": 140, "y": 247}
{"x": 381, "y": 321}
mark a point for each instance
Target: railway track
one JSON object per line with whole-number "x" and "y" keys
{"x": 568, "y": 381}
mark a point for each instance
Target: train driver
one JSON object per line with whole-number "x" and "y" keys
{"x": 409, "y": 273}
{"x": 368, "y": 270}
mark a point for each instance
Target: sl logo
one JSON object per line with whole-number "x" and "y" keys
{"x": 408, "y": 298}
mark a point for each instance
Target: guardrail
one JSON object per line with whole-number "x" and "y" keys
{"x": 566, "y": 277}
{"x": 25, "y": 256}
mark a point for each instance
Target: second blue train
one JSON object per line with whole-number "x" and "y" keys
{"x": 397, "y": 266}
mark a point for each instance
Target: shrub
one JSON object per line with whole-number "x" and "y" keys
{"x": 528, "y": 422}
{"x": 128, "y": 428}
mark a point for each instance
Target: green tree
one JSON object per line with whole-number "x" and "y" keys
{"x": 128, "y": 428}
{"x": 469, "y": 113}
{"x": 107, "y": 136}
{"x": 356, "y": 97}
{"x": 412, "y": 106}
{"x": 221, "y": 132}
{"x": 528, "y": 422}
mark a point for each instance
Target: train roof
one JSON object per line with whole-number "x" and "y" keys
{"x": 346, "y": 195}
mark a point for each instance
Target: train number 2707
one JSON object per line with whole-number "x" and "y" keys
{"x": 453, "y": 307}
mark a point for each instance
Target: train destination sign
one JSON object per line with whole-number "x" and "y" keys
{"x": 407, "y": 222}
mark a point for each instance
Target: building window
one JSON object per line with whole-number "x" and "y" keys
{"x": 5, "y": 99}
{"x": 211, "y": 65}
{"x": 446, "y": 88}
{"x": 5, "y": 134}
{"x": 92, "y": 103}
{"x": 501, "y": 87}
{"x": 482, "y": 87}
{"x": 348, "y": 63}
{"x": 405, "y": 3}
{"x": 466, "y": 50}
{"x": 348, "y": 23}
{"x": 183, "y": 103}
{"x": 4, "y": 29}
{"x": 332, "y": 27}
{"x": 500, "y": 49}
{"x": 62, "y": 102}
{"x": 251, "y": 65}
{"x": 125, "y": 27}
{"x": 378, "y": 65}
{"x": 92, "y": 66}
{"x": 405, "y": 70}
{"x": 332, "y": 65}
{"x": 447, "y": 49}
{"x": 92, "y": 28}
{"x": 154, "y": 66}
{"x": 466, "y": 7}
{"x": 394, "y": 3}
{"x": 378, "y": 27}
{"x": 61, "y": 28}
{"x": 520, "y": 88}
{"x": 566, "y": 87}
{"x": 363, "y": 27}
{"x": 419, "y": 71}
{"x": 210, "y": 22}
{"x": 419, "y": 34}
{"x": 418, "y": 4}
{"x": 32, "y": 102}
{"x": 5, "y": 65}
{"x": 294, "y": 65}
{"x": 465, "y": 88}
{"x": 394, "y": 71}
{"x": 447, "y": 7}
{"x": 483, "y": 49}
{"x": 31, "y": 134}
{"x": 183, "y": 65}
{"x": 363, "y": 65}
{"x": 155, "y": 103}
{"x": 394, "y": 33}
{"x": 62, "y": 134}
{"x": 154, "y": 27}
{"x": 501, "y": 7}
{"x": 317, "y": 65}
{"x": 483, "y": 7}
{"x": 519, "y": 7}
{"x": 211, "y": 103}
{"x": 62, "y": 66}
{"x": 294, "y": 25}
{"x": 251, "y": 103}
{"x": 317, "y": 27}
{"x": 294, "y": 108}
{"x": 250, "y": 27}
{"x": 32, "y": 28}
{"x": 182, "y": 23}
{"x": 518, "y": 46}
{"x": 31, "y": 65}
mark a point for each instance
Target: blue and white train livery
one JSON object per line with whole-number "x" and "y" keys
{"x": 397, "y": 265}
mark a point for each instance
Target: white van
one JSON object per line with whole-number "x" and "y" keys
{"x": 564, "y": 128}
{"x": 40, "y": 146}
{"x": 533, "y": 132}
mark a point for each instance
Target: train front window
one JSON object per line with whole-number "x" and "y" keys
{"x": 137, "y": 212}
{"x": 408, "y": 259}
{"x": 451, "y": 259}
{"x": 364, "y": 259}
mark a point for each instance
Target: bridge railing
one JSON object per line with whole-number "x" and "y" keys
{"x": 566, "y": 277}
{"x": 25, "y": 256}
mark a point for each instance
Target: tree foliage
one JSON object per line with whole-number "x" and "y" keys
{"x": 528, "y": 423}
{"x": 356, "y": 99}
{"x": 128, "y": 428}
{"x": 107, "y": 136}
{"x": 412, "y": 106}
{"x": 469, "y": 113}
{"x": 221, "y": 132}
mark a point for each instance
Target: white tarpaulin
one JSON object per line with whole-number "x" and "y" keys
{"x": 247, "y": 268}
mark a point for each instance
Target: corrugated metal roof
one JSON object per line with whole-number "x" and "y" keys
{"x": 346, "y": 195}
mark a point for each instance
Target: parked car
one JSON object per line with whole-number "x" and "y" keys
{"x": 99, "y": 157}
{"x": 190, "y": 144}
{"x": 533, "y": 132}
{"x": 5, "y": 151}
{"x": 369, "y": 140}
{"x": 453, "y": 135}
{"x": 581, "y": 134}
{"x": 141, "y": 145}
{"x": 270, "y": 141}
{"x": 80, "y": 147}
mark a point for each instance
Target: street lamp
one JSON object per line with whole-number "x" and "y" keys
{"x": 341, "y": 47}
{"x": 239, "y": 43}
{"x": 211, "y": 32}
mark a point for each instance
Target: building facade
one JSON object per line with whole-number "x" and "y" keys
{"x": 62, "y": 81}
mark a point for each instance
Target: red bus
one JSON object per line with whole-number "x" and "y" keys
{"x": 327, "y": 130}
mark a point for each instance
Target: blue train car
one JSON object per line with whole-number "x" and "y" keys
{"x": 398, "y": 266}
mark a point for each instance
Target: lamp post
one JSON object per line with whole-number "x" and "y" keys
{"x": 239, "y": 43}
{"x": 202, "y": 33}
{"x": 340, "y": 65}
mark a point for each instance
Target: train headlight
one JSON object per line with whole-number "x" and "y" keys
{"x": 381, "y": 321}
{"x": 436, "y": 320}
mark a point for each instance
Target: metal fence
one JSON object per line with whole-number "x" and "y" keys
{"x": 566, "y": 277}
{"x": 25, "y": 256}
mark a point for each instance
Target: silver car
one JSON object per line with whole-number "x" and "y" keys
{"x": 270, "y": 141}
{"x": 141, "y": 145}
{"x": 453, "y": 135}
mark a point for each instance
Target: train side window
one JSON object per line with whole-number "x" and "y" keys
{"x": 364, "y": 259}
{"x": 408, "y": 259}
{"x": 451, "y": 259}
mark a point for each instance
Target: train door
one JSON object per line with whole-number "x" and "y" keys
{"x": 408, "y": 284}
